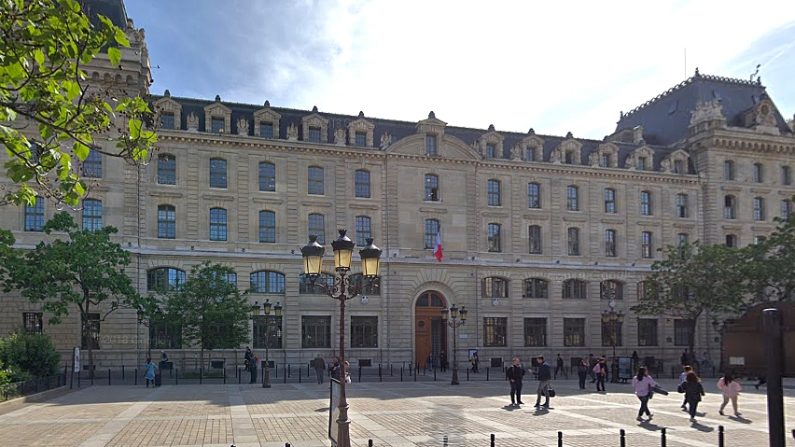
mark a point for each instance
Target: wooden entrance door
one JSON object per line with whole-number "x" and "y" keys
{"x": 430, "y": 334}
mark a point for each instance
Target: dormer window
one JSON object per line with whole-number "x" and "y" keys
{"x": 569, "y": 158}
{"x": 314, "y": 134}
{"x": 679, "y": 166}
{"x": 266, "y": 129}
{"x": 530, "y": 154}
{"x": 604, "y": 161}
{"x": 167, "y": 120}
{"x": 217, "y": 124}
{"x": 642, "y": 164}
{"x": 361, "y": 139}
{"x": 430, "y": 145}
{"x": 491, "y": 150}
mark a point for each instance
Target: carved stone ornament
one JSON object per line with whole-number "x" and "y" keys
{"x": 193, "y": 122}
{"x": 386, "y": 140}
{"x": 707, "y": 111}
{"x": 242, "y": 126}
{"x": 665, "y": 165}
{"x": 554, "y": 157}
{"x": 593, "y": 159}
{"x": 339, "y": 136}
{"x": 292, "y": 132}
{"x": 516, "y": 153}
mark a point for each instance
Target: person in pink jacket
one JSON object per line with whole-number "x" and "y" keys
{"x": 731, "y": 389}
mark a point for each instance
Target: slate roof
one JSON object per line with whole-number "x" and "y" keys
{"x": 399, "y": 129}
{"x": 665, "y": 118}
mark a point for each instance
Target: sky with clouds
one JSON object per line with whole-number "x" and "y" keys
{"x": 553, "y": 66}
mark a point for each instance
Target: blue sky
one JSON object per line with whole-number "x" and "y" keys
{"x": 553, "y": 66}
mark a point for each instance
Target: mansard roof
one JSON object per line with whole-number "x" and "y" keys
{"x": 665, "y": 118}
{"x": 401, "y": 129}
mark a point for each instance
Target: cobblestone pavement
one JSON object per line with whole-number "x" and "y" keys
{"x": 391, "y": 414}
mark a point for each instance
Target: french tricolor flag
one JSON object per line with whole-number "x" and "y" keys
{"x": 437, "y": 250}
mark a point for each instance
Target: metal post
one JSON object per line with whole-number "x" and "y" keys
{"x": 136, "y": 378}
{"x": 622, "y": 438}
{"x": 663, "y": 441}
{"x": 560, "y": 439}
{"x": 467, "y": 374}
{"x": 343, "y": 423}
{"x": 78, "y": 378}
{"x": 369, "y": 443}
{"x": 720, "y": 436}
{"x": 771, "y": 322}
{"x": 454, "y": 380}
{"x": 487, "y": 374}
{"x": 380, "y": 379}
{"x": 493, "y": 439}
{"x": 122, "y": 373}
{"x": 239, "y": 376}
{"x": 444, "y": 441}
{"x": 108, "y": 376}
{"x": 401, "y": 373}
{"x": 224, "y": 373}
{"x": 176, "y": 376}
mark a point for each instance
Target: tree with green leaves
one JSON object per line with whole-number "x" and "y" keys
{"x": 690, "y": 280}
{"x": 84, "y": 271}
{"x": 50, "y": 118}
{"x": 213, "y": 313}
{"x": 769, "y": 267}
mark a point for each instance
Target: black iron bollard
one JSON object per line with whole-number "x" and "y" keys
{"x": 774, "y": 352}
{"x": 390, "y": 370}
{"x": 224, "y": 374}
{"x": 122, "y": 373}
{"x": 623, "y": 439}
{"x": 401, "y": 373}
{"x": 434, "y": 374}
{"x": 560, "y": 439}
{"x": 444, "y": 441}
{"x": 136, "y": 378}
{"x": 720, "y": 436}
{"x": 284, "y": 376}
{"x": 239, "y": 376}
{"x": 487, "y": 374}
{"x": 493, "y": 439}
{"x": 108, "y": 376}
{"x": 415, "y": 375}
{"x": 288, "y": 370}
{"x": 176, "y": 376}
{"x": 380, "y": 378}
{"x": 369, "y": 443}
{"x": 276, "y": 370}
{"x": 201, "y": 374}
{"x": 307, "y": 370}
{"x": 663, "y": 441}
{"x": 360, "y": 373}
{"x": 71, "y": 379}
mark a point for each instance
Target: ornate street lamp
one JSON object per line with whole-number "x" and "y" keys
{"x": 613, "y": 318}
{"x": 456, "y": 319}
{"x": 270, "y": 321}
{"x": 341, "y": 290}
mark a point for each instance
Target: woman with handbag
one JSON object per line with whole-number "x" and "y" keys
{"x": 643, "y": 385}
{"x": 693, "y": 392}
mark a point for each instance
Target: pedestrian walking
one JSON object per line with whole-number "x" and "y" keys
{"x": 347, "y": 372}
{"x": 582, "y": 372}
{"x": 151, "y": 370}
{"x": 544, "y": 381}
{"x": 693, "y": 392}
{"x": 730, "y": 389}
{"x": 592, "y": 361}
{"x": 475, "y": 362}
{"x": 600, "y": 371}
{"x": 334, "y": 369}
{"x": 559, "y": 367}
{"x": 643, "y": 385}
{"x": 320, "y": 368}
{"x": 682, "y": 379}
{"x": 514, "y": 374}
{"x": 443, "y": 361}
{"x": 247, "y": 358}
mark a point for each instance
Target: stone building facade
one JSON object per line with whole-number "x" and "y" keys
{"x": 539, "y": 232}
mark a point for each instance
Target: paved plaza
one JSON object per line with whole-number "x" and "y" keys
{"x": 391, "y": 414}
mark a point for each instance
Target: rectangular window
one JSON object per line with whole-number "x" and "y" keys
{"x": 430, "y": 145}
{"x": 681, "y": 205}
{"x": 610, "y": 200}
{"x": 786, "y": 208}
{"x": 728, "y": 170}
{"x": 574, "y": 241}
{"x": 610, "y": 243}
{"x": 267, "y": 177}
{"x": 362, "y": 183}
{"x": 217, "y": 124}
{"x": 604, "y": 160}
{"x": 165, "y": 335}
{"x": 267, "y": 332}
{"x": 786, "y": 175}
{"x": 218, "y": 224}
{"x": 316, "y": 180}
{"x": 647, "y": 332}
{"x": 167, "y": 120}
{"x": 317, "y": 226}
{"x": 267, "y": 227}
{"x": 314, "y": 134}
{"x": 679, "y": 166}
{"x": 494, "y": 237}
{"x": 572, "y": 199}
{"x": 217, "y": 173}
{"x": 431, "y": 188}
{"x": 535, "y": 331}
{"x": 166, "y": 169}
{"x": 360, "y": 139}
{"x": 431, "y": 230}
{"x": 32, "y": 322}
{"x": 493, "y": 192}
{"x": 611, "y": 333}
{"x": 363, "y": 230}
{"x": 266, "y": 129}
{"x": 530, "y": 154}
{"x": 315, "y": 332}
{"x": 92, "y": 165}
{"x": 491, "y": 150}
{"x": 759, "y": 208}
{"x": 682, "y": 332}
{"x": 574, "y": 332}
{"x": 568, "y": 158}
{"x": 92, "y": 214}
{"x": 364, "y": 332}
{"x": 645, "y": 203}
{"x": 682, "y": 239}
{"x": 642, "y": 164}
{"x": 535, "y": 288}
{"x": 495, "y": 331}
{"x": 90, "y": 334}
{"x": 759, "y": 173}
{"x": 533, "y": 195}
{"x": 267, "y": 281}
{"x": 34, "y": 216}
{"x": 646, "y": 245}
{"x": 166, "y": 222}
{"x": 534, "y": 239}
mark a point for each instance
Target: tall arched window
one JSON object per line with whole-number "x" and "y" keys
{"x": 494, "y": 237}
{"x": 34, "y": 216}
{"x": 759, "y": 209}
{"x": 534, "y": 239}
{"x": 364, "y": 230}
{"x": 533, "y": 195}
{"x": 645, "y": 203}
{"x": 315, "y": 180}
{"x": 267, "y": 281}
{"x": 728, "y": 170}
{"x": 165, "y": 279}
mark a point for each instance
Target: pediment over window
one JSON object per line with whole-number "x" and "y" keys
{"x": 676, "y": 162}
{"x": 431, "y": 125}
{"x": 360, "y": 125}
{"x": 266, "y": 115}
{"x": 450, "y": 147}
{"x": 168, "y": 105}
{"x": 607, "y": 152}
{"x": 569, "y": 151}
{"x": 633, "y": 160}
{"x": 314, "y": 121}
{"x": 490, "y": 139}
{"x": 529, "y": 148}
{"x": 217, "y": 110}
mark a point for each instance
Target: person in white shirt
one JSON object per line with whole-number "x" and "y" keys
{"x": 643, "y": 384}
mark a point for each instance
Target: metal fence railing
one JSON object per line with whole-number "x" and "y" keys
{"x": 33, "y": 386}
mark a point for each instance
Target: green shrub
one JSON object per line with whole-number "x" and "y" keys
{"x": 27, "y": 355}
{"x": 5, "y": 381}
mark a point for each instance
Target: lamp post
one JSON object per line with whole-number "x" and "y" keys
{"x": 456, "y": 319}
{"x": 612, "y": 318}
{"x": 341, "y": 290}
{"x": 270, "y": 320}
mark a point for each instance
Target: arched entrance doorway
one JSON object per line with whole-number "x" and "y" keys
{"x": 430, "y": 335}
